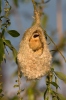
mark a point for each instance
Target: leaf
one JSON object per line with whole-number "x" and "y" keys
{"x": 57, "y": 62}
{"x": 61, "y": 97}
{"x": 46, "y": 1}
{"x": 13, "y": 33}
{"x": 54, "y": 95}
{"x": 1, "y": 17}
{"x": 55, "y": 84}
{"x": 0, "y": 6}
{"x": 3, "y": 31}
{"x": 61, "y": 76}
{"x": 1, "y": 50}
{"x": 16, "y": 86}
{"x": 14, "y": 54}
{"x": 8, "y": 43}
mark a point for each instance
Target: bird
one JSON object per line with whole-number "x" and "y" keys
{"x": 35, "y": 42}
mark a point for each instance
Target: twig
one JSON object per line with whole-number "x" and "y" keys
{"x": 56, "y": 83}
{"x": 19, "y": 91}
{"x": 56, "y": 47}
{"x": 34, "y": 5}
{"x": 46, "y": 1}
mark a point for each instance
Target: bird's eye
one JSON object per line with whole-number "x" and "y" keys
{"x": 36, "y": 35}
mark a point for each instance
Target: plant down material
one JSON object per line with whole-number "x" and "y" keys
{"x": 33, "y": 57}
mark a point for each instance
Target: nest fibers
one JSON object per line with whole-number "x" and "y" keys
{"x": 33, "y": 56}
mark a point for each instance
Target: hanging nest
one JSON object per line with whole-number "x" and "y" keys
{"x": 33, "y": 56}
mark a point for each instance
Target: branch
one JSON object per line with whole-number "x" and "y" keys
{"x": 56, "y": 47}
{"x": 46, "y": 1}
{"x": 34, "y": 5}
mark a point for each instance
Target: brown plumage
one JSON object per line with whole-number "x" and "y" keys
{"x": 35, "y": 42}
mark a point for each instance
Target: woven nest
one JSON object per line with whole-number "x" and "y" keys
{"x": 34, "y": 58}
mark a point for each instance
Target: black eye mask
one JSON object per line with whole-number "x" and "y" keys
{"x": 36, "y": 35}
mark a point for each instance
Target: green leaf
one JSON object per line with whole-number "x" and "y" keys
{"x": 16, "y": 86}
{"x": 55, "y": 84}
{"x": 61, "y": 97}
{"x": 0, "y": 6}
{"x": 54, "y": 95}
{"x": 1, "y": 17}
{"x": 61, "y": 76}
{"x": 3, "y": 31}
{"x": 57, "y": 62}
{"x": 1, "y": 50}
{"x": 13, "y": 33}
{"x": 14, "y": 54}
{"x": 8, "y": 43}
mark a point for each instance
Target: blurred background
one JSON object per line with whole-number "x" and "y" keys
{"x": 53, "y": 20}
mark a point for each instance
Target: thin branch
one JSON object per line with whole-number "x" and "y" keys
{"x": 46, "y": 1}
{"x": 34, "y": 5}
{"x": 19, "y": 82}
{"x": 56, "y": 47}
